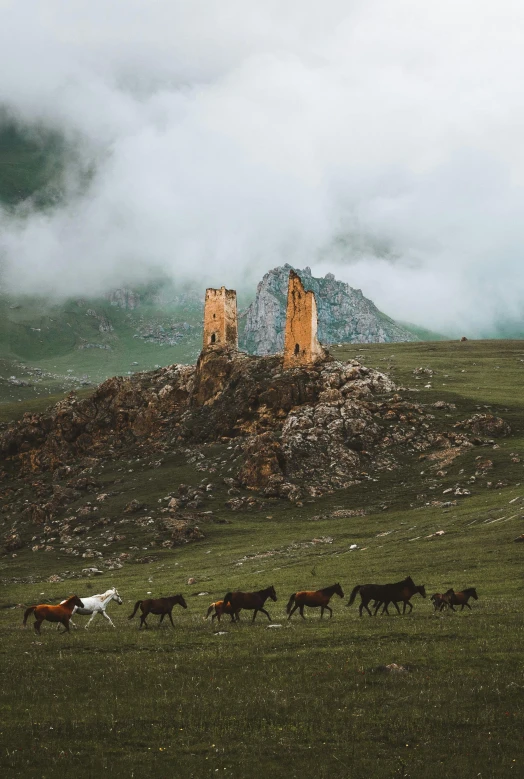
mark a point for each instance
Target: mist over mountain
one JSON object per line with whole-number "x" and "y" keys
{"x": 208, "y": 142}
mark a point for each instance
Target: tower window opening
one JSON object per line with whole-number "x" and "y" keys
{"x": 297, "y": 350}
{"x": 213, "y": 338}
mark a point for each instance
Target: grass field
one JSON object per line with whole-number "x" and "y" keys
{"x": 303, "y": 699}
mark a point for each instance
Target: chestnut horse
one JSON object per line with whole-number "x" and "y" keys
{"x": 249, "y": 600}
{"x": 160, "y": 606}
{"x": 220, "y": 609}
{"x": 385, "y": 594}
{"x": 313, "y": 599}
{"x": 61, "y": 613}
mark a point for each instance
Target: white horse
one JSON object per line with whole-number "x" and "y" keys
{"x": 97, "y": 604}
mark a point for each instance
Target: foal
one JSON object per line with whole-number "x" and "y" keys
{"x": 160, "y": 606}
{"x": 61, "y": 613}
{"x": 220, "y": 609}
{"x": 250, "y": 600}
{"x": 313, "y": 599}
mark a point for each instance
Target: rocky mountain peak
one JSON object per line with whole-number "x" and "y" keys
{"x": 344, "y": 314}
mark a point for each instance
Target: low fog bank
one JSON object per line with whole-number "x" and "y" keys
{"x": 381, "y": 142}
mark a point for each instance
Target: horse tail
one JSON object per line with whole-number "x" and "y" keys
{"x": 210, "y": 609}
{"x": 28, "y": 612}
{"x": 354, "y": 594}
{"x": 227, "y": 599}
{"x": 137, "y": 604}
{"x": 290, "y": 602}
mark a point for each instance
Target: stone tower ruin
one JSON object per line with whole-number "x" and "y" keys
{"x": 220, "y": 318}
{"x": 301, "y": 346}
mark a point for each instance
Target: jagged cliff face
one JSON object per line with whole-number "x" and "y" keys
{"x": 344, "y": 314}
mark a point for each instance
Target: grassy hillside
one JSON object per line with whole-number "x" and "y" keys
{"x": 52, "y": 348}
{"x": 31, "y": 162}
{"x": 304, "y": 699}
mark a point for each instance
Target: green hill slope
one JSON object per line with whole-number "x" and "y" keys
{"x": 31, "y": 163}
{"x": 311, "y": 698}
{"x": 50, "y": 348}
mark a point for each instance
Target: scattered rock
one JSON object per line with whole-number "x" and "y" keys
{"x": 134, "y": 506}
{"x": 393, "y": 668}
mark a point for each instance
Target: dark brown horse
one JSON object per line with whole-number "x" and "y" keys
{"x": 452, "y": 598}
{"x": 385, "y": 594}
{"x": 313, "y": 599}
{"x": 220, "y": 609}
{"x": 409, "y": 590}
{"x": 160, "y": 606}
{"x": 61, "y": 613}
{"x": 250, "y": 600}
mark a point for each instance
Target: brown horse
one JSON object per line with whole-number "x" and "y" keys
{"x": 313, "y": 599}
{"x": 385, "y": 594}
{"x": 452, "y": 598}
{"x": 61, "y": 613}
{"x": 160, "y": 606}
{"x": 249, "y": 600}
{"x": 405, "y": 597}
{"x": 220, "y": 609}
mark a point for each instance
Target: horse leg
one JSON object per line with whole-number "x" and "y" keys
{"x": 171, "y": 618}
{"x": 37, "y": 625}
{"x": 408, "y": 603}
{"x": 106, "y": 615}
{"x": 364, "y": 605}
{"x": 65, "y": 623}
{"x": 396, "y": 606}
{"x": 91, "y": 618}
{"x": 330, "y": 611}
{"x": 161, "y": 618}
{"x": 143, "y": 620}
{"x": 265, "y": 612}
{"x": 378, "y": 604}
{"x": 254, "y": 615}
{"x": 295, "y": 607}
{"x": 469, "y": 607}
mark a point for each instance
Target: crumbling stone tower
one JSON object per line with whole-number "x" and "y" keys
{"x": 220, "y": 318}
{"x": 301, "y": 346}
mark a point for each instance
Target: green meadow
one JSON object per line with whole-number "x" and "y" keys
{"x": 295, "y": 698}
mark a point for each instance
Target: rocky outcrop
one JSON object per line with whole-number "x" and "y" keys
{"x": 299, "y": 432}
{"x": 344, "y": 314}
{"x": 124, "y": 298}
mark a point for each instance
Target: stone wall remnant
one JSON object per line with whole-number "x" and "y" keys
{"x": 301, "y": 345}
{"x": 220, "y": 318}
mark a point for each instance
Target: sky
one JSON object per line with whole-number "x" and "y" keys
{"x": 380, "y": 141}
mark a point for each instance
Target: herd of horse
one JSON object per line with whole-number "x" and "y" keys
{"x": 378, "y": 595}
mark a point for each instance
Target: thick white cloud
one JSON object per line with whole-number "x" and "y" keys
{"x": 378, "y": 140}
